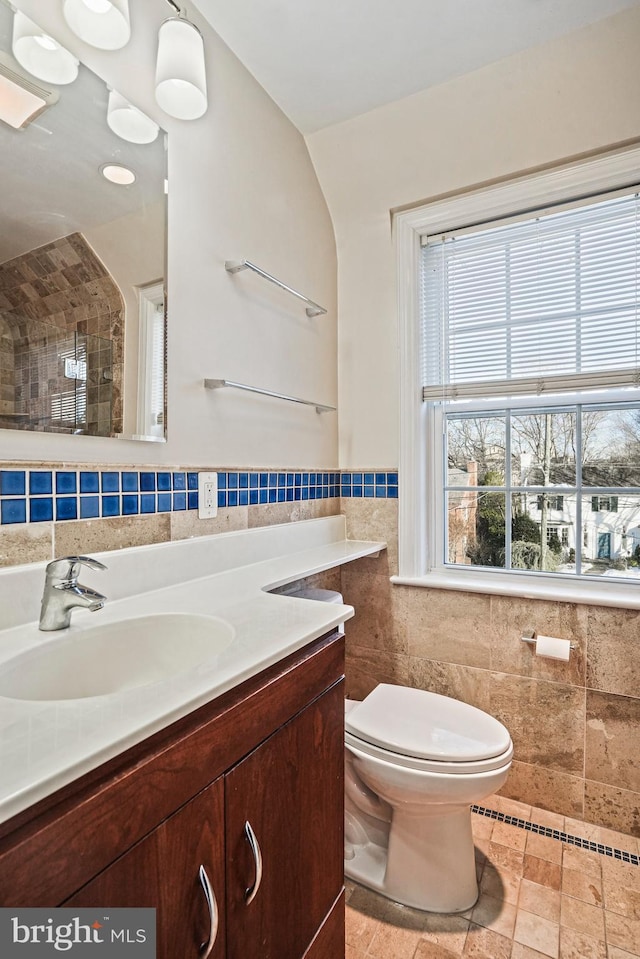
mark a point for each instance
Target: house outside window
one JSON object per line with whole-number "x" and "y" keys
{"x": 524, "y": 455}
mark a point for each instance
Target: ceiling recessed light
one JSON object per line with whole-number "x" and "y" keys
{"x": 117, "y": 173}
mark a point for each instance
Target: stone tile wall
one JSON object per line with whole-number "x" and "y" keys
{"x": 575, "y": 726}
{"x": 49, "y": 298}
{"x": 31, "y": 542}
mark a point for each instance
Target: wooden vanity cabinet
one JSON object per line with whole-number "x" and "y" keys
{"x": 271, "y": 754}
{"x": 162, "y": 871}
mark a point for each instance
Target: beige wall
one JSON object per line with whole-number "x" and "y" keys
{"x": 567, "y": 98}
{"x": 576, "y": 726}
{"x": 241, "y": 185}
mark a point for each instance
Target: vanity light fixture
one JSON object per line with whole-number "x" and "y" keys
{"x": 40, "y": 54}
{"x": 21, "y": 100}
{"x": 118, "y": 173}
{"x": 103, "y": 24}
{"x": 181, "y": 83}
{"x": 128, "y": 122}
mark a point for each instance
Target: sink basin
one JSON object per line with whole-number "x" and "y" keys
{"x": 102, "y": 660}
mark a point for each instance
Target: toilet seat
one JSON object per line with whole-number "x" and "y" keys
{"x": 421, "y": 730}
{"x": 468, "y": 768}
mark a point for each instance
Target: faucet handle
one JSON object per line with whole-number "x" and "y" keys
{"x": 67, "y": 568}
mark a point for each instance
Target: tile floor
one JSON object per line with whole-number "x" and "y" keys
{"x": 539, "y": 897}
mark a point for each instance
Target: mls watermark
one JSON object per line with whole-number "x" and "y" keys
{"x": 100, "y": 933}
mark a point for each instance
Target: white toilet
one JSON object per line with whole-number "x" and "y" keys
{"x": 415, "y": 762}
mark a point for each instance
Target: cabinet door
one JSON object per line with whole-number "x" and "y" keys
{"x": 163, "y": 871}
{"x": 290, "y": 791}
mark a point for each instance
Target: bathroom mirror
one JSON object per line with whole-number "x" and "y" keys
{"x": 82, "y": 258}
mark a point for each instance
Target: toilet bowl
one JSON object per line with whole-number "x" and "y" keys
{"x": 415, "y": 762}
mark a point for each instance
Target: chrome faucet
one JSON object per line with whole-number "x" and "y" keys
{"x": 62, "y": 591}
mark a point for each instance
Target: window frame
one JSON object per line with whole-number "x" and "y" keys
{"x": 419, "y": 518}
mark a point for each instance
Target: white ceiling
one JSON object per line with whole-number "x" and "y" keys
{"x": 50, "y": 171}
{"x": 324, "y": 61}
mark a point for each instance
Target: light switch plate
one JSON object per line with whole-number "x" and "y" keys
{"x": 207, "y": 495}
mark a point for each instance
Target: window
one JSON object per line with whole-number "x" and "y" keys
{"x": 527, "y": 353}
{"x": 605, "y": 504}
{"x": 550, "y": 502}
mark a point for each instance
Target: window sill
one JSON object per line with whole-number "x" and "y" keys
{"x": 624, "y": 595}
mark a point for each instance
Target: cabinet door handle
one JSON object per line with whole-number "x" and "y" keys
{"x": 206, "y": 947}
{"x": 251, "y": 891}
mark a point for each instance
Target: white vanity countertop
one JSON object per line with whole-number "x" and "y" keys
{"x": 46, "y": 744}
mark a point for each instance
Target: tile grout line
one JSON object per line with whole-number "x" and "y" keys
{"x": 619, "y": 854}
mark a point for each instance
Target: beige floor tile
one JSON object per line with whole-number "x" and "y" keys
{"x": 351, "y": 953}
{"x": 621, "y": 899}
{"x": 431, "y": 950}
{"x": 485, "y": 944}
{"x": 491, "y": 802}
{"x": 575, "y": 945}
{"x": 623, "y": 932}
{"x": 585, "y": 830}
{"x": 540, "y": 900}
{"x": 511, "y": 836}
{"x": 582, "y": 917}
{"x": 500, "y": 883}
{"x": 580, "y": 886}
{"x": 551, "y": 819}
{"x": 618, "y": 840}
{"x": 392, "y": 942}
{"x": 544, "y": 847}
{"x": 494, "y": 914}
{"x": 359, "y": 929}
{"x": 482, "y": 826}
{"x": 447, "y": 931}
{"x": 589, "y": 863}
{"x": 615, "y": 953}
{"x": 481, "y": 847}
{"x": 511, "y": 807}
{"x": 519, "y": 951}
{"x": 542, "y": 871}
{"x": 621, "y": 872}
{"x": 504, "y": 857}
{"x": 537, "y": 933}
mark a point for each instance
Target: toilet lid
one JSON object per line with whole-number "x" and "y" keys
{"x": 414, "y": 722}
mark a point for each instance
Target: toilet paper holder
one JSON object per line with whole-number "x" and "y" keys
{"x": 531, "y": 636}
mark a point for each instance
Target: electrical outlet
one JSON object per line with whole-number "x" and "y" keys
{"x": 207, "y": 495}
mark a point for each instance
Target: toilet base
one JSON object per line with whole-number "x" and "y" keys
{"x": 429, "y": 865}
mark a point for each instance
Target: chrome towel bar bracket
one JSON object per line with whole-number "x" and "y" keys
{"x": 236, "y": 266}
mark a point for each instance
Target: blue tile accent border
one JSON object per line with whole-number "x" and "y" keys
{"x": 374, "y": 485}
{"x": 64, "y": 495}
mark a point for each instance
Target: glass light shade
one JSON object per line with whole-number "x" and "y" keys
{"x": 100, "y": 23}
{"x": 128, "y": 122}
{"x": 40, "y": 54}
{"x": 181, "y": 83}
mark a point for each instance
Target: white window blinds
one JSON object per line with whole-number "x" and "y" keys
{"x": 546, "y": 304}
